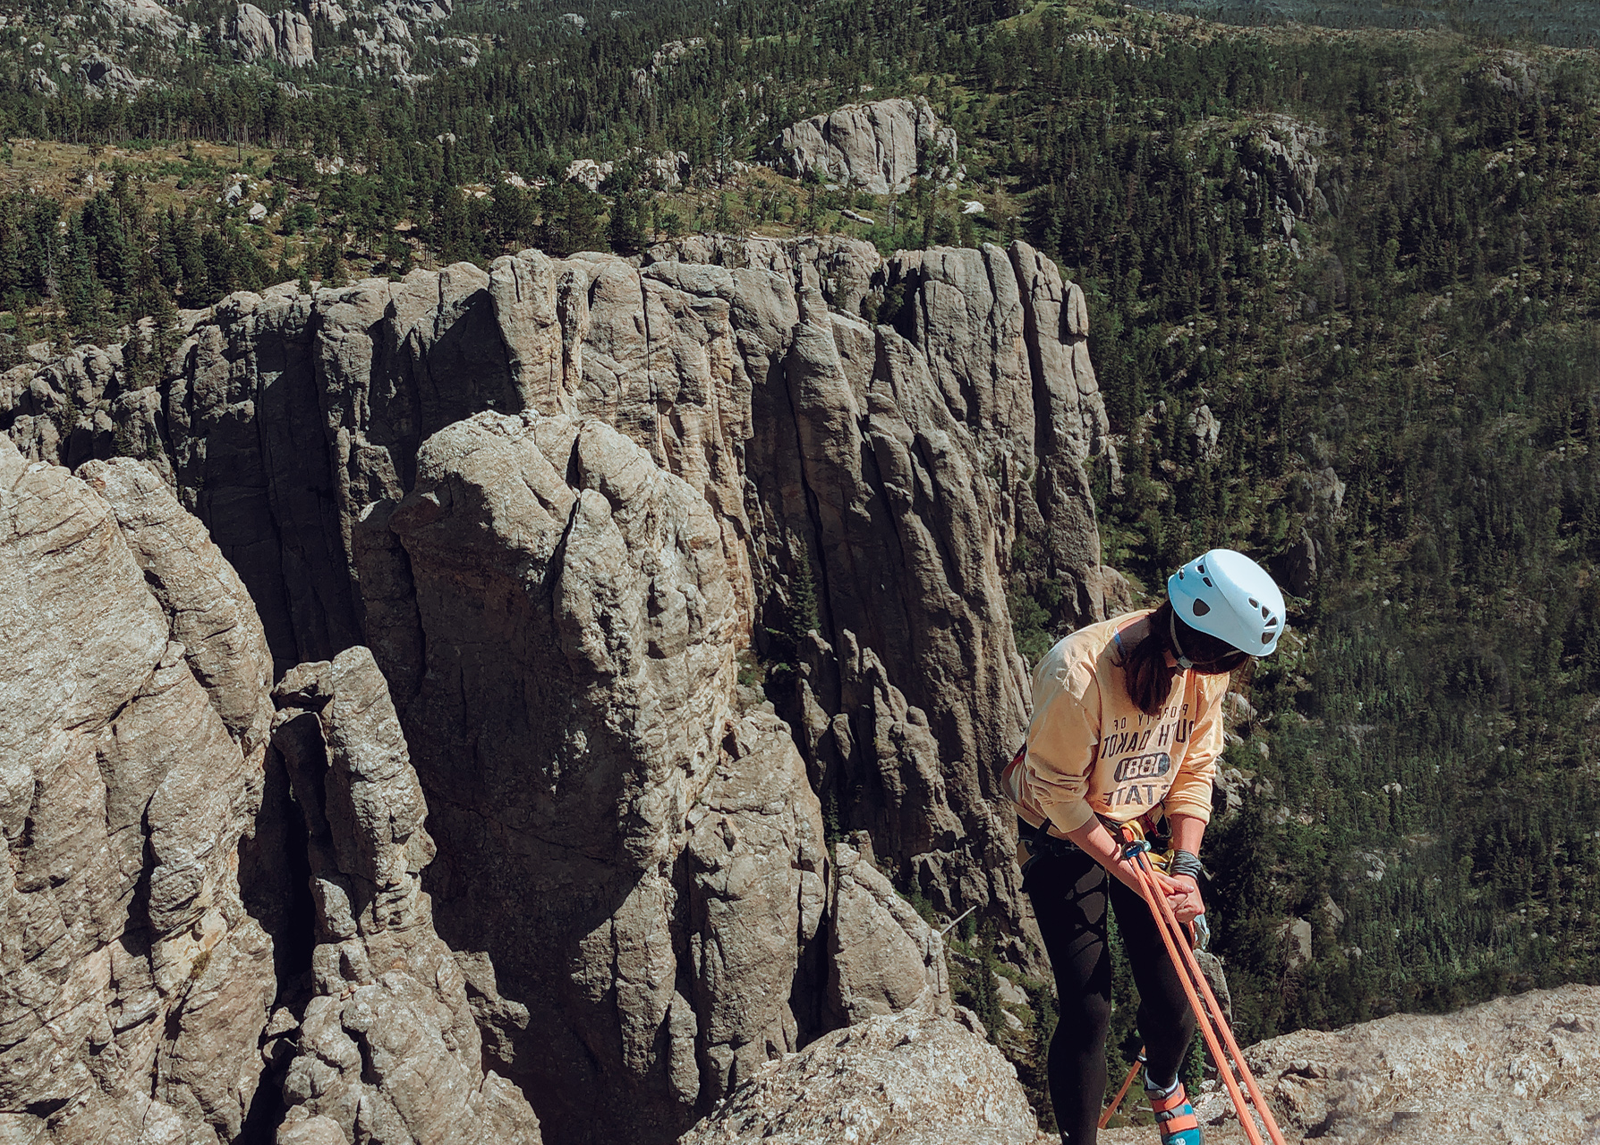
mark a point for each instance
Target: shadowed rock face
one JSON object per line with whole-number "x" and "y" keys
{"x": 558, "y": 501}
{"x": 136, "y": 972}
{"x": 387, "y": 1046}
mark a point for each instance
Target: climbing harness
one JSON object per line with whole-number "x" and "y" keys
{"x": 1219, "y": 1039}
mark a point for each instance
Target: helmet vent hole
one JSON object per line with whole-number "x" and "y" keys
{"x": 1208, "y": 582}
{"x": 1266, "y": 638}
{"x": 1254, "y": 603}
{"x": 1272, "y": 622}
{"x": 1265, "y": 613}
{"x": 1201, "y": 608}
{"x": 1201, "y": 566}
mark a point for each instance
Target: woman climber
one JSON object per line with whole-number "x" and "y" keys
{"x": 1127, "y": 725}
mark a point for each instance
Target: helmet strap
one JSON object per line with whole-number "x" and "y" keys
{"x": 1172, "y": 629}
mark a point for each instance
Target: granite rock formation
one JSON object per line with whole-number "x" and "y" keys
{"x": 387, "y": 1046}
{"x": 877, "y": 147}
{"x": 133, "y": 982}
{"x": 913, "y": 1078}
{"x": 640, "y": 857}
{"x": 940, "y": 456}
{"x": 563, "y": 502}
{"x": 149, "y": 927}
{"x": 284, "y": 37}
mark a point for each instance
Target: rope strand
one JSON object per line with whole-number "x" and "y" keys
{"x": 1209, "y": 1014}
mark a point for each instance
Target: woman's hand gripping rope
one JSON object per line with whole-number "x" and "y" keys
{"x": 1209, "y": 1014}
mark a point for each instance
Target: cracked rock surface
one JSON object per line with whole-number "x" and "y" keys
{"x": 913, "y": 1078}
{"x": 133, "y": 983}
{"x": 578, "y": 510}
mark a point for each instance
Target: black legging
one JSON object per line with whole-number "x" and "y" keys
{"x": 1069, "y": 898}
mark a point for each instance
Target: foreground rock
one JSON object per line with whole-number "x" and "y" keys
{"x": 912, "y": 1079}
{"x": 878, "y": 147}
{"x": 1521, "y": 1070}
{"x": 133, "y": 983}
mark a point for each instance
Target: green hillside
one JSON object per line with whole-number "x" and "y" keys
{"x": 1344, "y": 315}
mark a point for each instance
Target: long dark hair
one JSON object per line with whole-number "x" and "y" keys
{"x": 1149, "y": 675}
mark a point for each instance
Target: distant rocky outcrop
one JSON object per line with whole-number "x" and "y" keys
{"x": 38, "y": 82}
{"x": 915, "y": 1078}
{"x": 146, "y": 16}
{"x": 284, "y": 37}
{"x": 101, "y": 76}
{"x": 577, "y": 509}
{"x": 1284, "y": 174}
{"x": 878, "y": 147}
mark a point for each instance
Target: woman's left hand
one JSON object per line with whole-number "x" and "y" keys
{"x": 1183, "y": 896}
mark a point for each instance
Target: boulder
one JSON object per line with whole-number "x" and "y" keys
{"x": 883, "y": 958}
{"x": 589, "y": 173}
{"x": 913, "y": 1078}
{"x": 878, "y": 147}
{"x": 1521, "y": 1068}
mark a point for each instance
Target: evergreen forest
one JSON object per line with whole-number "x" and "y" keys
{"x": 1378, "y": 370}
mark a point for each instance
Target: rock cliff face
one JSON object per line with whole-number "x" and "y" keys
{"x": 879, "y": 147}
{"x": 152, "y": 924}
{"x": 642, "y": 861}
{"x": 133, "y": 982}
{"x": 576, "y": 508}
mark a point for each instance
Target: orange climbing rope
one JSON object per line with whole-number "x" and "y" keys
{"x": 1116, "y": 1102}
{"x": 1213, "y": 1027}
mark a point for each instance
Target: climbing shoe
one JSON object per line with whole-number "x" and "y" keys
{"x": 1175, "y": 1117}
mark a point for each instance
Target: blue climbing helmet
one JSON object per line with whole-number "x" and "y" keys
{"x": 1227, "y": 595}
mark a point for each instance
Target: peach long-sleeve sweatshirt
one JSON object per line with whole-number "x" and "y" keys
{"x": 1092, "y": 751}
